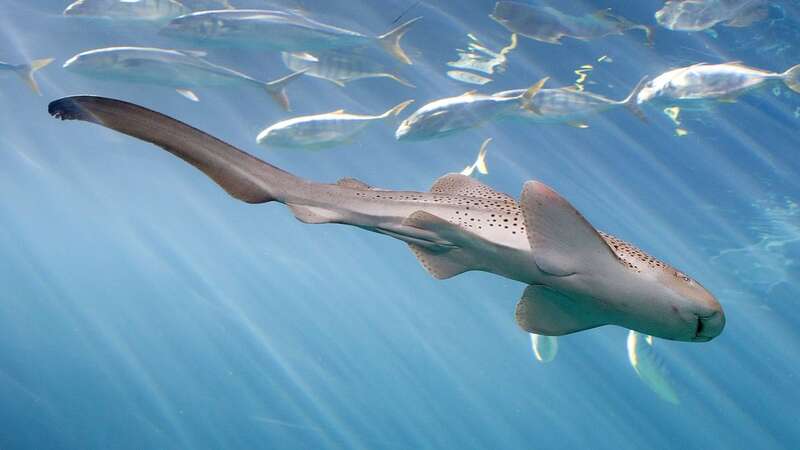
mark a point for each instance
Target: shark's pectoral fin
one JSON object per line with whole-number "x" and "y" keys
{"x": 458, "y": 184}
{"x": 439, "y": 245}
{"x": 563, "y": 241}
{"x": 542, "y": 310}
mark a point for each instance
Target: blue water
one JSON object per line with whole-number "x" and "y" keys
{"x": 143, "y": 308}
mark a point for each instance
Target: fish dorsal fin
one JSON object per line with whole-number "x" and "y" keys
{"x": 458, "y": 184}
{"x": 470, "y": 92}
{"x": 564, "y": 243}
{"x": 338, "y": 111}
{"x": 445, "y": 258}
{"x": 543, "y": 310}
{"x": 353, "y": 183}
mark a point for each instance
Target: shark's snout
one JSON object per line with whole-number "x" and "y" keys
{"x": 709, "y": 327}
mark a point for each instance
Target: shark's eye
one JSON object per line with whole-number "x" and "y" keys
{"x": 683, "y": 277}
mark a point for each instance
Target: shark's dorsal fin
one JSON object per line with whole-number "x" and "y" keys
{"x": 441, "y": 261}
{"x": 353, "y": 183}
{"x": 563, "y": 241}
{"x": 458, "y": 184}
{"x": 542, "y": 310}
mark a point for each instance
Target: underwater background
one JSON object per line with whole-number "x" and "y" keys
{"x": 143, "y": 308}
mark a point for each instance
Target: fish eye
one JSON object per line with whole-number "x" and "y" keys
{"x": 683, "y": 277}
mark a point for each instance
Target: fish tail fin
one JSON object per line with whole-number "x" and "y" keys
{"x": 631, "y": 101}
{"x": 26, "y": 72}
{"x": 277, "y": 88}
{"x": 401, "y": 80}
{"x": 792, "y": 78}
{"x": 648, "y": 33}
{"x": 240, "y": 174}
{"x": 391, "y": 41}
{"x": 528, "y": 95}
{"x": 396, "y": 110}
{"x": 480, "y": 161}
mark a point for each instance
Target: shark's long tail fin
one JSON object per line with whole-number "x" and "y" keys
{"x": 396, "y": 109}
{"x": 391, "y": 41}
{"x": 26, "y": 71}
{"x": 792, "y": 78}
{"x": 631, "y": 103}
{"x": 243, "y": 176}
{"x": 277, "y": 88}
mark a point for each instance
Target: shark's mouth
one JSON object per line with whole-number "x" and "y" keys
{"x": 708, "y": 327}
{"x": 699, "y": 329}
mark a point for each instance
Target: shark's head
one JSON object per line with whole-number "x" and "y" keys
{"x": 659, "y": 299}
{"x": 596, "y": 279}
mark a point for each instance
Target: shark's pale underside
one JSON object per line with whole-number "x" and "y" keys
{"x": 578, "y": 278}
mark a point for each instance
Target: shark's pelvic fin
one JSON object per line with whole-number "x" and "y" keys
{"x": 458, "y": 184}
{"x": 310, "y": 214}
{"x": 542, "y": 310}
{"x": 563, "y": 241}
{"x": 445, "y": 258}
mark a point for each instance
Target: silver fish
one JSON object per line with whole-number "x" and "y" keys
{"x": 468, "y": 77}
{"x": 178, "y": 69}
{"x": 339, "y": 66}
{"x": 280, "y": 30}
{"x": 547, "y": 24}
{"x": 322, "y": 130}
{"x": 120, "y": 9}
{"x": 445, "y": 116}
{"x": 211, "y": 5}
{"x": 698, "y": 15}
{"x": 649, "y": 367}
{"x": 578, "y": 277}
{"x": 573, "y": 106}
{"x": 703, "y": 83}
{"x": 26, "y": 71}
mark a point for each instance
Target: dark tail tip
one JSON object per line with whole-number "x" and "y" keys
{"x": 63, "y": 108}
{"x": 71, "y": 108}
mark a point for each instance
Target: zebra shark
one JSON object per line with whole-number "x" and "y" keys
{"x": 578, "y": 278}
